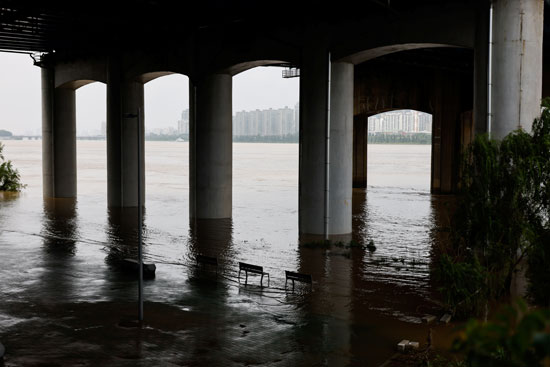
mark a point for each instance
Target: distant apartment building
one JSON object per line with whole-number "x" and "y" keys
{"x": 271, "y": 122}
{"x": 402, "y": 121}
{"x": 183, "y": 124}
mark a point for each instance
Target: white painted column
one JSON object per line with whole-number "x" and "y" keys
{"x": 211, "y": 147}
{"x": 316, "y": 218}
{"x": 516, "y": 65}
{"x": 58, "y": 138}
{"x": 123, "y": 98}
{"x": 341, "y": 148}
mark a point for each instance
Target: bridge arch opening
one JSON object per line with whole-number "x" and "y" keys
{"x": 399, "y": 150}
{"x": 265, "y": 149}
{"x": 438, "y": 81}
{"x": 91, "y": 127}
{"x": 166, "y": 135}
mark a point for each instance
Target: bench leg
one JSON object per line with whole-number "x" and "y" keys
{"x": 268, "y": 280}
{"x": 245, "y": 277}
{"x": 239, "y": 276}
{"x": 293, "y": 285}
{"x": 262, "y": 281}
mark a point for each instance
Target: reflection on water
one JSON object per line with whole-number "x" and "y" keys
{"x": 59, "y": 234}
{"x": 211, "y": 237}
{"x": 59, "y": 257}
{"x": 60, "y": 227}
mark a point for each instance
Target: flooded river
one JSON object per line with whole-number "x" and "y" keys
{"x": 59, "y": 274}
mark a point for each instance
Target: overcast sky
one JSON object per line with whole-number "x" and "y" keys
{"x": 165, "y": 98}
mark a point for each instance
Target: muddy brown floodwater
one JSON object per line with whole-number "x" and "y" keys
{"x": 64, "y": 302}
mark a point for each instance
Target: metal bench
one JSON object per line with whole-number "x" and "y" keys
{"x": 304, "y": 278}
{"x": 131, "y": 266}
{"x": 254, "y": 269}
{"x": 207, "y": 260}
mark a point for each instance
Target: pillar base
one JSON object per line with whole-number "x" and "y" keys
{"x": 313, "y": 239}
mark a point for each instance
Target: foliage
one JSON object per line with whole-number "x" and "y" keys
{"x": 5, "y": 133}
{"x": 9, "y": 176}
{"x": 503, "y": 213}
{"x": 517, "y": 337}
{"x": 538, "y": 271}
{"x": 462, "y": 283}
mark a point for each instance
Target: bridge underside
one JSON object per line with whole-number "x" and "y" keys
{"x": 355, "y": 60}
{"x": 436, "y": 81}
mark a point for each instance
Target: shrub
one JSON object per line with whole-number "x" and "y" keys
{"x": 462, "y": 283}
{"x": 503, "y": 215}
{"x": 9, "y": 176}
{"x": 516, "y": 337}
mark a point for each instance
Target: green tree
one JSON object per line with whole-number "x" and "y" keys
{"x": 502, "y": 218}
{"x": 516, "y": 337}
{"x": 9, "y": 176}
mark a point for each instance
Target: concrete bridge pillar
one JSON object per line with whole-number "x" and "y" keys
{"x": 123, "y": 98}
{"x": 58, "y": 138}
{"x": 481, "y": 70}
{"x": 360, "y": 141}
{"x": 516, "y": 65}
{"x": 341, "y": 148}
{"x": 316, "y": 218}
{"x": 211, "y": 147}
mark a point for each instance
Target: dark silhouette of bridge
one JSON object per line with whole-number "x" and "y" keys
{"x": 476, "y": 66}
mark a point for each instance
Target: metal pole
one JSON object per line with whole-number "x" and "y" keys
{"x": 327, "y": 156}
{"x": 140, "y": 221}
{"x": 490, "y": 74}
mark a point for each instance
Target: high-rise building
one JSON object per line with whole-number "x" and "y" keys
{"x": 271, "y": 122}
{"x": 405, "y": 121}
{"x": 183, "y": 124}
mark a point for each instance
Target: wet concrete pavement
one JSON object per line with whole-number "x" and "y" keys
{"x": 64, "y": 302}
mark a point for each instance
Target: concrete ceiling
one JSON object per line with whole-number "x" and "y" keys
{"x": 87, "y": 26}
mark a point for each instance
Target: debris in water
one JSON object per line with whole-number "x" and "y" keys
{"x": 428, "y": 319}
{"x": 370, "y": 246}
{"x": 402, "y": 345}
{"x": 445, "y": 318}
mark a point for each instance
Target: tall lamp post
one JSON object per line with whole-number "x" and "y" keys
{"x": 139, "y": 215}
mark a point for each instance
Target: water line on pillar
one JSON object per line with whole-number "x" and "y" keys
{"x": 327, "y": 156}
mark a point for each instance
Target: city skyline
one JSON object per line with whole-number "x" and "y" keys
{"x": 285, "y": 121}
{"x": 407, "y": 121}
{"x": 165, "y": 97}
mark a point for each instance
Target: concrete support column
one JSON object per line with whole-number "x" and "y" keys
{"x": 516, "y": 65}
{"x": 313, "y": 119}
{"x": 314, "y": 214}
{"x": 445, "y": 133}
{"x": 481, "y": 69}
{"x": 124, "y": 97}
{"x": 211, "y": 147}
{"x": 360, "y": 145}
{"x": 58, "y": 138}
{"x": 341, "y": 148}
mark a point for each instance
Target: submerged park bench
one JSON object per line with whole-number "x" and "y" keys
{"x": 304, "y": 278}
{"x": 207, "y": 260}
{"x": 131, "y": 266}
{"x": 254, "y": 269}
